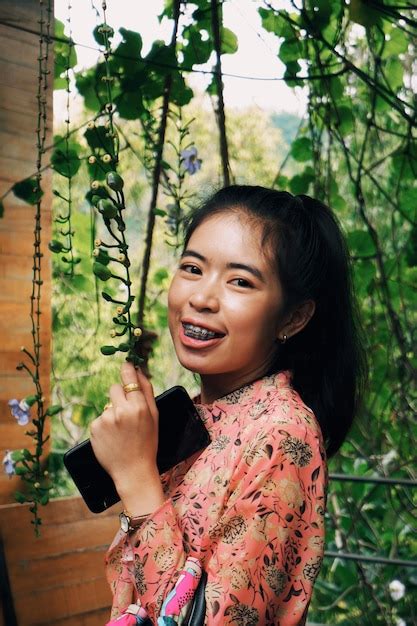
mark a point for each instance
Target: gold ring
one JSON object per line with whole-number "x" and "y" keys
{"x": 107, "y": 406}
{"x": 131, "y": 387}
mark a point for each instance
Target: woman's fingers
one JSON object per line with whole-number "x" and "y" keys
{"x": 130, "y": 379}
{"x": 148, "y": 392}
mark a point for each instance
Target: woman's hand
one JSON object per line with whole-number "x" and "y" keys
{"x": 125, "y": 440}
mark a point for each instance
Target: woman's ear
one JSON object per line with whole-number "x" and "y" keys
{"x": 297, "y": 319}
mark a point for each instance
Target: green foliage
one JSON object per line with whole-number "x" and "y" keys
{"x": 65, "y": 56}
{"x": 28, "y": 190}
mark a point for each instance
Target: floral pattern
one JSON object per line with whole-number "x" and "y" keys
{"x": 249, "y": 510}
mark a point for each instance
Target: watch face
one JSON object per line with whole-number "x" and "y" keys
{"x": 124, "y": 522}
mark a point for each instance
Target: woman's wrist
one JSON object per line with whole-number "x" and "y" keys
{"x": 141, "y": 493}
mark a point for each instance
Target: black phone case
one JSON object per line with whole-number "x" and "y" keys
{"x": 181, "y": 434}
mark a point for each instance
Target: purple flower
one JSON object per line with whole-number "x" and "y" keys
{"x": 8, "y": 464}
{"x": 190, "y": 161}
{"x": 20, "y": 410}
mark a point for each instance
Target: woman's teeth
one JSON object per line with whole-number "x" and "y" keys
{"x": 197, "y": 332}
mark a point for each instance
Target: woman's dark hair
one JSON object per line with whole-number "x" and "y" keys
{"x": 327, "y": 356}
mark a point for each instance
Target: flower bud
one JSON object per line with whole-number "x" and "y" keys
{"x": 96, "y": 252}
{"x": 121, "y": 258}
{"x": 92, "y": 159}
{"x": 106, "y": 158}
{"x": 112, "y": 333}
{"x": 37, "y": 485}
{"x": 91, "y": 125}
{"x": 95, "y": 184}
{"x": 114, "y": 181}
{"x": 137, "y": 332}
{"x": 119, "y": 310}
{"x": 97, "y": 242}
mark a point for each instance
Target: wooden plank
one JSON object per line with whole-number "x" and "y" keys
{"x": 99, "y": 617}
{"x": 59, "y": 577}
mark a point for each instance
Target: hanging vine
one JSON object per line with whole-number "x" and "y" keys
{"x": 27, "y": 463}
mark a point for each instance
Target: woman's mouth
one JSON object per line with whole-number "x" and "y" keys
{"x": 196, "y": 337}
{"x": 199, "y": 332}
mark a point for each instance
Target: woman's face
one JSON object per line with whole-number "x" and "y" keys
{"x": 225, "y": 302}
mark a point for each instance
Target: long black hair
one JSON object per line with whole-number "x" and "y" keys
{"x": 327, "y": 357}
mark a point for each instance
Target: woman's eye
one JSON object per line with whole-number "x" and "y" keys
{"x": 190, "y": 268}
{"x": 241, "y": 282}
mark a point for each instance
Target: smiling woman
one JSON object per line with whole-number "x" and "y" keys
{"x": 261, "y": 292}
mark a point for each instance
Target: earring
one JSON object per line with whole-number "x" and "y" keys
{"x": 283, "y": 339}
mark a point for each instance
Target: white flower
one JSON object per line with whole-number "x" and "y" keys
{"x": 396, "y": 589}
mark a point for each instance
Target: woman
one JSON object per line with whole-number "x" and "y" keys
{"x": 261, "y": 307}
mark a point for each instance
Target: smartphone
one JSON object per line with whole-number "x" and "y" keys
{"x": 181, "y": 434}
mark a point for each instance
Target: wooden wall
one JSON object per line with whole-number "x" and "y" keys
{"x": 18, "y": 119}
{"x": 58, "y": 579}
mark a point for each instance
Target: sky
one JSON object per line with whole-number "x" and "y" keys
{"x": 256, "y": 56}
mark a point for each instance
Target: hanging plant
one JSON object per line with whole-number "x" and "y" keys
{"x": 28, "y": 463}
{"x": 111, "y": 256}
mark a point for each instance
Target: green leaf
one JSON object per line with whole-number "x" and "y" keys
{"x": 21, "y": 469}
{"x": 160, "y": 276}
{"x": 408, "y": 203}
{"x": 129, "y": 105}
{"x": 131, "y": 47}
{"x": 66, "y": 163}
{"x": 394, "y": 73}
{"x": 103, "y": 257}
{"x": 55, "y": 246}
{"x": 98, "y": 139}
{"x": 197, "y": 51}
{"x": 100, "y": 33}
{"x": 181, "y": 94}
{"x": 101, "y": 271}
{"x": 108, "y": 350}
{"x": 360, "y": 243}
{"x": 123, "y": 347}
{"x": 275, "y": 22}
{"x": 28, "y": 190}
{"x": 107, "y": 208}
{"x": 20, "y": 497}
{"x": 65, "y": 56}
{"x": 404, "y": 162}
{"x": 301, "y": 149}
{"x": 290, "y": 50}
{"x": 361, "y": 12}
{"x": 300, "y": 183}
{"x": 396, "y": 43}
{"x": 344, "y": 119}
{"x": 229, "y": 43}
{"x": 53, "y": 410}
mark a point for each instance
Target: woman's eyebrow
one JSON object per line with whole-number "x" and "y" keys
{"x": 249, "y": 268}
{"x": 233, "y": 266}
{"x": 197, "y": 255}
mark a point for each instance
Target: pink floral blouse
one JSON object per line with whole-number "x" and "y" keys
{"x": 249, "y": 510}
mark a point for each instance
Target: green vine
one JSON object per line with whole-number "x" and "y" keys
{"x": 28, "y": 464}
{"x": 109, "y": 202}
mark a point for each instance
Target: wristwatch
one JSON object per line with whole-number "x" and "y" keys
{"x": 129, "y": 523}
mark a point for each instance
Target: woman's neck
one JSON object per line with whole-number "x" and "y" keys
{"x": 215, "y": 386}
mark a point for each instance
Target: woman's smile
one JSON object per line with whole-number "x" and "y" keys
{"x": 225, "y": 302}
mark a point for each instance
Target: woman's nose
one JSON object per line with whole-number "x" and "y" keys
{"x": 205, "y": 297}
